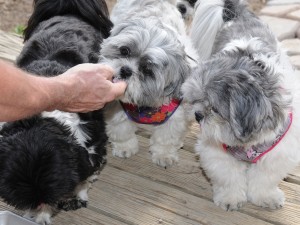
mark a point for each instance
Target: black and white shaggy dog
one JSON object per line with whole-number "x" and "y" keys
{"x": 48, "y": 161}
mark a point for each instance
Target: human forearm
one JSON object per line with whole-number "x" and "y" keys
{"x": 83, "y": 88}
{"x": 23, "y": 95}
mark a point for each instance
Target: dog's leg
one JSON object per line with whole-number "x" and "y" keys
{"x": 227, "y": 175}
{"x": 80, "y": 199}
{"x": 266, "y": 174}
{"x": 41, "y": 216}
{"x": 168, "y": 138}
{"x": 121, "y": 133}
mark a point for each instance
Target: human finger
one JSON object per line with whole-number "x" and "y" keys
{"x": 118, "y": 89}
{"x": 106, "y": 71}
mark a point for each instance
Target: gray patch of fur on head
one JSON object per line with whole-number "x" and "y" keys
{"x": 239, "y": 97}
{"x": 156, "y": 58}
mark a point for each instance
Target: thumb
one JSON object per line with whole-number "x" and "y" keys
{"x": 119, "y": 88}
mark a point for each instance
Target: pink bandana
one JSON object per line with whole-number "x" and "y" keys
{"x": 254, "y": 153}
{"x": 150, "y": 115}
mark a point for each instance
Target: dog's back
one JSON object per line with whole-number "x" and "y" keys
{"x": 61, "y": 34}
{"x": 93, "y": 12}
{"x": 214, "y": 18}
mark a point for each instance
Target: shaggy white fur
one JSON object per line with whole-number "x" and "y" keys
{"x": 150, "y": 50}
{"x": 242, "y": 96}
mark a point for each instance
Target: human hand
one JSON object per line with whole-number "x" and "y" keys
{"x": 88, "y": 87}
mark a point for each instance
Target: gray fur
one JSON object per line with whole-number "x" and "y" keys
{"x": 154, "y": 45}
{"x": 238, "y": 91}
{"x": 245, "y": 25}
{"x": 56, "y": 45}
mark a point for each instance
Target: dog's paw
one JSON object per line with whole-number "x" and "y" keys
{"x": 125, "y": 149}
{"x": 43, "y": 218}
{"x": 163, "y": 157}
{"x": 72, "y": 204}
{"x": 230, "y": 200}
{"x": 273, "y": 199}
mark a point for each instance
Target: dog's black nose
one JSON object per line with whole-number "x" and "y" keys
{"x": 182, "y": 9}
{"x": 125, "y": 72}
{"x": 199, "y": 116}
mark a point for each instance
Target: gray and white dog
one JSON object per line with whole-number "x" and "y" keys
{"x": 149, "y": 49}
{"x": 246, "y": 98}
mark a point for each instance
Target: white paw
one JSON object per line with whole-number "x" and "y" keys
{"x": 163, "y": 156}
{"x": 43, "y": 218}
{"x": 273, "y": 199}
{"x": 81, "y": 190}
{"x": 229, "y": 200}
{"x": 83, "y": 194}
{"x": 125, "y": 149}
{"x": 92, "y": 178}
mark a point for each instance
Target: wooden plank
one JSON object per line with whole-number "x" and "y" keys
{"x": 187, "y": 177}
{"x": 294, "y": 177}
{"x": 139, "y": 198}
{"x": 120, "y": 204}
{"x": 85, "y": 217}
{"x": 10, "y": 46}
{"x": 78, "y": 217}
{"x": 288, "y": 215}
{"x": 190, "y": 138}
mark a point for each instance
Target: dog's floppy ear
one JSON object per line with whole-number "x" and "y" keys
{"x": 250, "y": 109}
{"x": 183, "y": 70}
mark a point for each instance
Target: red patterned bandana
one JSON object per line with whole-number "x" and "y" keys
{"x": 150, "y": 115}
{"x": 254, "y": 153}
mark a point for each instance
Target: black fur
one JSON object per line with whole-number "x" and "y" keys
{"x": 229, "y": 11}
{"x": 41, "y": 162}
{"x": 93, "y": 12}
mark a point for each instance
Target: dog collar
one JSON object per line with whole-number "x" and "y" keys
{"x": 150, "y": 115}
{"x": 254, "y": 153}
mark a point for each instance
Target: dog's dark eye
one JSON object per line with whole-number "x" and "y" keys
{"x": 192, "y": 2}
{"x": 260, "y": 64}
{"x": 146, "y": 67}
{"x": 214, "y": 110}
{"x": 147, "y": 72}
{"x": 125, "y": 51}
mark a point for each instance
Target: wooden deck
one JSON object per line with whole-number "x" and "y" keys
{"x": 137, "y": 192}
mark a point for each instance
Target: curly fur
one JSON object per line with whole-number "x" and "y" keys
{"x": 242, "y": 96}
{"x": 48, "y": 161}
{"x": 149, "y": 49}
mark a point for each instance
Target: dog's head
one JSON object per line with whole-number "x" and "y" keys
{"x": 186, "y": 8}
{"x": 39, "y": 167}
{"x": 149, "y": 57}
{"x": 236, "y": 99}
